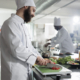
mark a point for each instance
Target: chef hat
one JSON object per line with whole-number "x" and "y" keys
{"x": 57, "y": 21}
{"x": 22, "y": 3}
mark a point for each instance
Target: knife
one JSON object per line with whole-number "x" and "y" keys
{"x": 49, "y": 65}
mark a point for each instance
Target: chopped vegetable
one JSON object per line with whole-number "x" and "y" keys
{"x": 55, "y": 68}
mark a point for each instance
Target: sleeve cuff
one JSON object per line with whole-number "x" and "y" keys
{"x": 32, "y": 59}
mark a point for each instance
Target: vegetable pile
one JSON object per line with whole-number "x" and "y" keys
{"x": 62, "y": 60}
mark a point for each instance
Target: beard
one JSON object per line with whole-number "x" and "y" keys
{"x": 57, "y": 27}
{"x": 27, "y": 15}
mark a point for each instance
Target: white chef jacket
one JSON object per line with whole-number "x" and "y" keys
{"x": 18, "y": 54}
{"x": 63, "y": 39}
{"x": 0, "y": 38}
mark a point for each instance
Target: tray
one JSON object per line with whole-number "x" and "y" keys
{"x": 72, "y": 65}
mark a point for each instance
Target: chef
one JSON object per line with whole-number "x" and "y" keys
{"x": 62, "y": 38}
{"x": 18, "y": 54}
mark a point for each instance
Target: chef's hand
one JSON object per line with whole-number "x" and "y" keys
{"x": 46, "y": 44}
{"x": 41, "y": 61}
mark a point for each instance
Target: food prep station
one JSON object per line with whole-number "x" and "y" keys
{"x": 68, "y": 71}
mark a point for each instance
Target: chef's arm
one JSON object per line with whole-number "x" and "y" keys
{"x": 54, "y": 38}
{"x": 59, "y": 39}
{"x": 35, "y": 51}
{"x": 12, "y": 38}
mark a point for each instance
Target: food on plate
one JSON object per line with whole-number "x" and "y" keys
{"x": 64, "y": 60}
{"x": 55, "y": 68}
{"x": 77, "y": 59}
{"x": 73, "y": 63}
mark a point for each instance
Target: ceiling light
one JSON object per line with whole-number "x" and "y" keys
{"x": 76, "y": 19}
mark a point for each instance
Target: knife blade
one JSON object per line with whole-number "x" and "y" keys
{"x": 49, "y": 65}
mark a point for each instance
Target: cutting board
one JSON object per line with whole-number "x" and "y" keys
{"x": 47, "y": 71}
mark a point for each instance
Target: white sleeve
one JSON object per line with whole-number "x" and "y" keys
{"x": 12, "y": 37}
{"x": 35, "y": 51}
{"x": 59, "y": 38}
{"x": 54, "y": 38}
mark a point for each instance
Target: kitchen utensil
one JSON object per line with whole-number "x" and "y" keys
{"x": 50, "y": 66}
